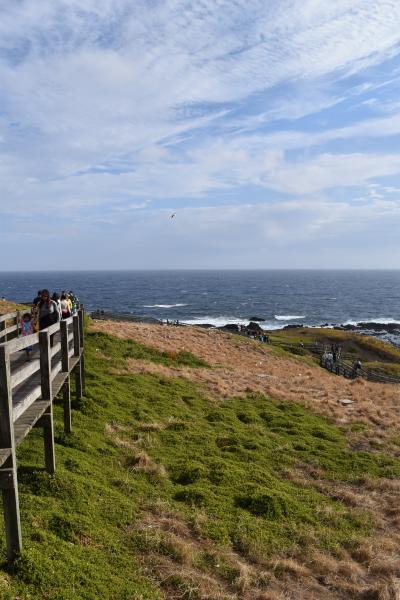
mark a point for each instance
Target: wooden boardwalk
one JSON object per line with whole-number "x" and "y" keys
{"x": 343, "y": 366}
{"x": 27, "y": 391}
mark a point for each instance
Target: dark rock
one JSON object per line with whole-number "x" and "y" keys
{"x": 230, "y": 327}
{"x": 260, "y": 319}
{"x": 376, "y": 327}
{"x": 254, "y": 327}
{"x": 389, "y": 327}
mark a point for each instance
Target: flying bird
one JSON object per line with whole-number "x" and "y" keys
{"x": 173, "y": 216}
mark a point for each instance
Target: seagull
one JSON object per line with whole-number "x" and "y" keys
{"x": 173, "y": 215}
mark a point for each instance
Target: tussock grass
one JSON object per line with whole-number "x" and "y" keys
{"x": 374, "y": 353}
{"x": 6, "y": 307}
{"x": 156, "y": 496}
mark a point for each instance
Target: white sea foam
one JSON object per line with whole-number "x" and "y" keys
{"x": 215, "y": 321}
{"x": 221, "y": 321}
{"x": 380, "y": 320}
{"x": 288, "y": 317}
{"x": 163, "y": 305}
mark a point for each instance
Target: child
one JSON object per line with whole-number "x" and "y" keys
{"x": 27, "y": 329}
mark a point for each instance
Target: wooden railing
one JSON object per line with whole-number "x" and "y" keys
{"x": 342, "y": 366}
{"x": 10, "y": 325}
{"x": 28, "y": 386}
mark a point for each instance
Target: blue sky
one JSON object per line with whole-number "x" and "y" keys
{"x": 271, "y": 129}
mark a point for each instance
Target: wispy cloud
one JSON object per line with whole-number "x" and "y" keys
{"x": 116, "y": 108}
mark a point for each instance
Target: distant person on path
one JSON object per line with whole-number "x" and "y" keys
{"x": 56, "y": 298}
{"x": 27, "y": 329}
{"x": 69, "y": 301}
{"x": 356, "y": 367}
{"x": 47, "y": 310}
{"x": 65, "y": 307}
{"x": 74, "y": 302}
{"x": 327, "y": 360}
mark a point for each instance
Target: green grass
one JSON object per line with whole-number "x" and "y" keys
{"x": 226, "y": 467}
{"x": 121, "y": 349}
{"x": 374, "y": 353}
{"x": 7, "y": 307}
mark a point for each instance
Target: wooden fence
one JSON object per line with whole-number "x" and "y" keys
{"x": 343, "y": 366}
{"x": 27, "y": 391}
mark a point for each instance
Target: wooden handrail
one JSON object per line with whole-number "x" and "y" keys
{"x": 8, "y": 316}
{"x": 22, "y": 342}
{"x": 27, "y": 391}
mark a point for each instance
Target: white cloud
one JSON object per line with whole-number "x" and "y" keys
{"x": 327, "y": 171}
{"x": 109, "y": 104}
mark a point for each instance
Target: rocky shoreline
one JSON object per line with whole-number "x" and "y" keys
{"x": 387, "y": 331}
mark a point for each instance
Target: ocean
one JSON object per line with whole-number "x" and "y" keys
{"x": 279, "y": 297}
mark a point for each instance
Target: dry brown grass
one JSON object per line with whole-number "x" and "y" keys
{"x": 151, "y": 426}
{"x": 141, "y": 462}
{"x": 241, "y": 366}
{"x": 173, "y": 552}
{"x": 369, "y": 572}
{"x": 6, "y": 307}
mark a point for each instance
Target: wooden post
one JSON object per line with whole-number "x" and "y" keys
{"x": 77, "y": 339}
{"x": 82, "y": 343}
{"x": 77, "y": 352}
{"x": 64, "y": 347}
{"x": 66, "y": 390}
{"x": 47, "y": 394}
{"x": 2, "y": 328}
{"x": 8, "y": 471}
{"x": 81, "y": 332}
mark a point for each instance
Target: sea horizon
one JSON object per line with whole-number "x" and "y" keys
{"x": 277, "y": 297}
{"x": 306, "y": 269}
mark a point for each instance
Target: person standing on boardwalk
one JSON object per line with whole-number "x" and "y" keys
{"x": 47, "y": 310}
{"x": 65, "y": 307}
{"x": 27, "y": 329}
{"x": 56, "y": 298}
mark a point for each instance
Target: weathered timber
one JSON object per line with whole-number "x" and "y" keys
{"x": 81, "y": 340}
{"x": 46, "y": 388}
{"x": 77, "y": 354}
{"x": 27, "y": 390}
{"x": 10, "y": 492}
{"x": 66, "y": 386}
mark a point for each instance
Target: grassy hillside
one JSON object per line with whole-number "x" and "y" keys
{"x": 163, "y": 491}
{"x": 6, "y": 306}
{"x": 374, "y": 353}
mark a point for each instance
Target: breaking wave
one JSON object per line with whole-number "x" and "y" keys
{"x": 288, "y": 317}
{"x": 163, "y": 305}
{"x": 221, "y": 321}
{"x": 379, "y": 320}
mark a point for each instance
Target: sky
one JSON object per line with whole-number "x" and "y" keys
{"x": 270, "y": 129}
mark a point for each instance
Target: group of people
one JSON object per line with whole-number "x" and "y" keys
{"x": 48, "y": 310}
{"x": 261, "y": 337}
{"x": 331, "y": 357}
